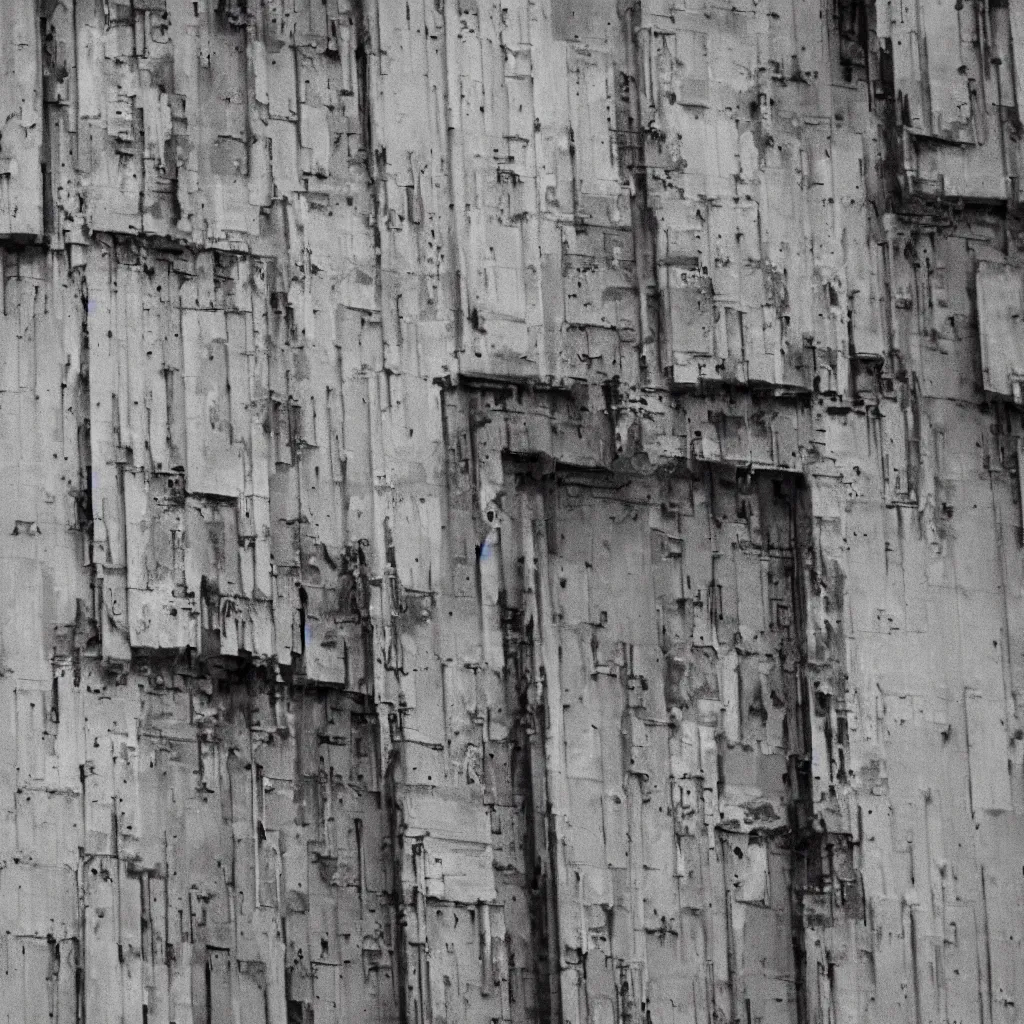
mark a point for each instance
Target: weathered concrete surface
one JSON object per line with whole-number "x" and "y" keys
{"x": 511, "y": 511}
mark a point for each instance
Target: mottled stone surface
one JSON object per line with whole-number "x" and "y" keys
{"x": 511, "y": 512}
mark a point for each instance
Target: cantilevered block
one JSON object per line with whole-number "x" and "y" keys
{"x": 1000, "y": 306}
{"x": 21, "y": 134}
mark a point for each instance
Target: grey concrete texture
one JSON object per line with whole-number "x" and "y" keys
{"x": 511, "y": 512}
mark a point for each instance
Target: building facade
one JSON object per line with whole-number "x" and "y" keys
{"x": 511, "y": 511}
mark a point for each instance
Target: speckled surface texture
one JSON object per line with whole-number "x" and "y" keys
{"x": 511, "y": 512}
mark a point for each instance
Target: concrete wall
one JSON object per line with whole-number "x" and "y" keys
{"x": 511, "y": 512}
